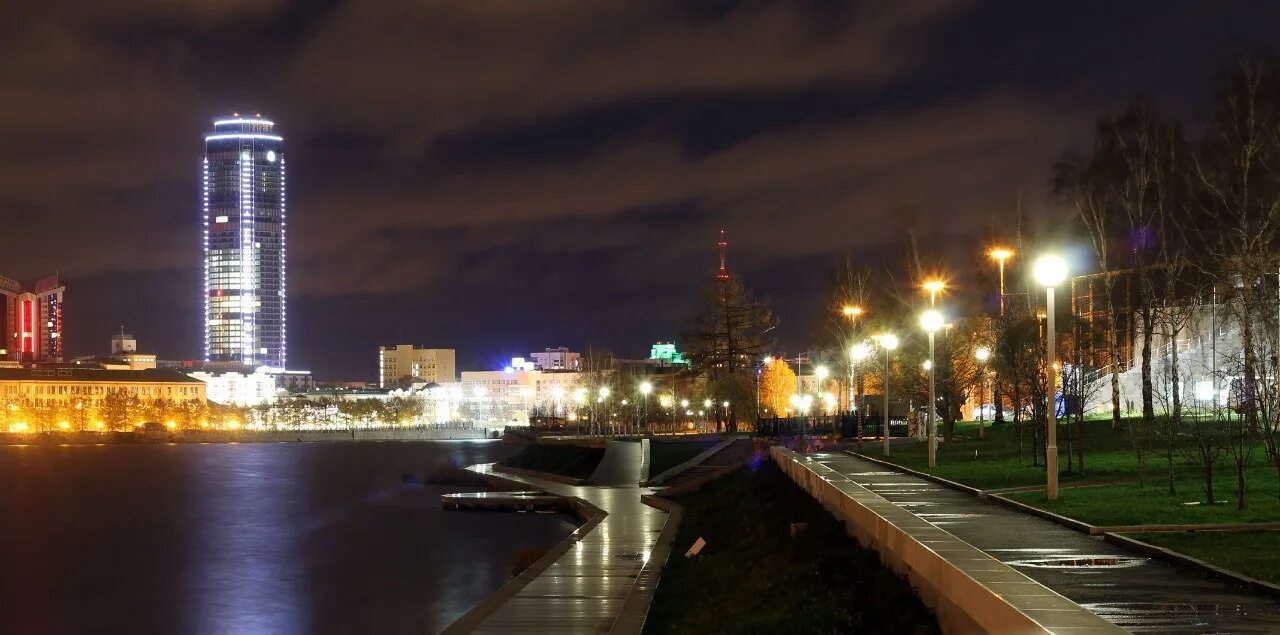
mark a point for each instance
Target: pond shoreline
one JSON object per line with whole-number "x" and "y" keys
{"x": 244, "y": 436}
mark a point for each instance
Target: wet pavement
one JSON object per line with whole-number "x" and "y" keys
{"x": 1134, "y": 592}
{"x": 585, "y": 589}
{"x": 621, "y": 466}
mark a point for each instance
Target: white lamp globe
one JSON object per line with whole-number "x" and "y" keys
{"x": 1050, "y": 270}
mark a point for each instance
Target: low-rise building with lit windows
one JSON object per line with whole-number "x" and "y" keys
{"x": 89, "y": 386}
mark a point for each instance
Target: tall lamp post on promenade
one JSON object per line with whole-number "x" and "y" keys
{"x": 645, "y": 389}
{"x": 1050, "y": 271}
{"x": 888, "y": 342}
{"x": 931, "y": 321}
{"x": 982, "y": 354}
{"x": 857, "y": 354}
{"x": 1001, "y": 254}
{"x": 934, "y": 287}
{"x": 820, "y": 374}
{"x": 853, "y": 312}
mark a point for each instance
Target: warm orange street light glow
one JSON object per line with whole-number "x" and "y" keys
{"x": 1000, "y": 254}
{"x": 852, "y": 310}
{"x": 933, "y": 287}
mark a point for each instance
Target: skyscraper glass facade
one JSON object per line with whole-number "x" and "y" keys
{"x": 243, "y": 216}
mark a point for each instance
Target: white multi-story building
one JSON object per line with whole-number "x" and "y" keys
{"x": 513, "y": 394}
{"x": 239, "y": 388}
{"x": 556, "y": 359}
{"x": 405, "y": 364}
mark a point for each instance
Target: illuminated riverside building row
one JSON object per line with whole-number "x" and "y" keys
{"x": 243, "y": 220}
{"x": 89, "y": 386}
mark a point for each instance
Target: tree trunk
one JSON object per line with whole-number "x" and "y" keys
{"x": 1148, "y": 391}
{"x": 1175, "y": 417}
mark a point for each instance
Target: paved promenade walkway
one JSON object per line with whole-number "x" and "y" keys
{"x": 1136, "y": 593}
{"x": 621, "y": 465}
{"x": 584, "y": 590}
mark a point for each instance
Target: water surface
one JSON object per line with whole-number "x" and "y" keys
{"x": 247, "y": 538}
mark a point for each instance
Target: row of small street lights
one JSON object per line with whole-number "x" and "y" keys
{"x": 1049, "y": 271}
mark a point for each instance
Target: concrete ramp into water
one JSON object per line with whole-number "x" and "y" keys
{"x": 621, "y": 466}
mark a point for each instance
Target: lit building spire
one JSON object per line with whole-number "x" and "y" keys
{"x": 723, "y": 274}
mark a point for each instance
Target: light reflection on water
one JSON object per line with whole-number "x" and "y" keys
{"x": 246, "y": 538}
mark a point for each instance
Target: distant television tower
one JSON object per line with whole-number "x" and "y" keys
{"x": 723, "y": 274}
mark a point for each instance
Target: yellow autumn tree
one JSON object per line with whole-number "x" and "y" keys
{"x": 777, "y": 385}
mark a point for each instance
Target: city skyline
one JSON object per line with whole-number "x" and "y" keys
{"x": 449, "y": 198}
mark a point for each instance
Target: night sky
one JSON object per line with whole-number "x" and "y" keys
{"x": 499, "y": 176}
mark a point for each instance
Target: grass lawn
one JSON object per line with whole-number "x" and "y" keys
{"x": 574, "y": 461}
{"x": 664, "y": 455}
{"x": 1252, "y": 553}
{"x": 1001, "y": 460}
{"x": 1133, "y": 504}
{"x": 753, "y": 577}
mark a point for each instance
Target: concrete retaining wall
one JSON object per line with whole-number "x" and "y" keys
{"x": 948, "y": 573}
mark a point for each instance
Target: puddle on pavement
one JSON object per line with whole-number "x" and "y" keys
{"x": 1080, "y": 562}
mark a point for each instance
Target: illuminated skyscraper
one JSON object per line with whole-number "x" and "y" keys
{"x": 243, "y": 216}
{"x": 32, "y": 320}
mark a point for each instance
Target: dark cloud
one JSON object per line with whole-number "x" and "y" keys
{"x": 501, "y": 175}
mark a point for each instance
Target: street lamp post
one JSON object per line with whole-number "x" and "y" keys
{"x": 645, "y": 389}
{"x": 853, "y": 312}
{"x": 888, "y": 342}
{"x": 1000, "y": 254}
{"x": 934, "y": 287}
{"x": 857, "y": 354}
{"x": 820, "y": 373}
{"x": 931, "y": 321}
{"x": 1050, "y": 271}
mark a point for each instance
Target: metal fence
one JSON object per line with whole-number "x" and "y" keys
{"x": 827, "y": 425}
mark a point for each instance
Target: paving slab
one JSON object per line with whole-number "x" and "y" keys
{"x": 1135, "y": 592}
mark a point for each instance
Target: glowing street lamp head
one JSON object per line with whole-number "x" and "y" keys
{"x": 859, "y": 351}
{"x": 983, "y": 353}
{"x": 889, "y": 341}
{"x": 684, "y": 403}
{"x": 821, "y": 373}
{"x": 851, "y": 310}
{"x": 934, "y": 286}
{"x": 768, "y": 359}
{"x": 1000, "y": 254}
{"x": 604, "y": 392}
{"x": 646, "y": 388}
{"x": 927, "y": 365}
{"x": 931, "y": 321}
{"x": 706, "y": 403}
{"x": 1050, "y": 270}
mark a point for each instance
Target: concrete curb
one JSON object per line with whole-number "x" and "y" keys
{"x": 695, "y": 461}
{"x": 1211, "y": 570}
{"x": 1136, "y": 529}
{"x": 588, "y": 513}
{"x": 1069, "y": 523}
{"x": 548, "y": 476}
{"x": 634, "y": 612}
